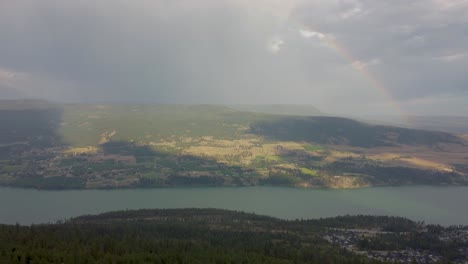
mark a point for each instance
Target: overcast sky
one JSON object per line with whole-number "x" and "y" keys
{"x": 342, "y": 56}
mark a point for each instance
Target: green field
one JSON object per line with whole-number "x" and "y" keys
{"x": 313, "y": 148}
{"x": 310, "y": 172}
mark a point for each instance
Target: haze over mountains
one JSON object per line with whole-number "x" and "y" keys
{"x": 329, "y": 54}
{"x": 281, "y": 109}
{"x": 454, "y": 124}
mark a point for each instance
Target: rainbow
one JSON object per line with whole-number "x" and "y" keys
{"x": 364, "y": 71}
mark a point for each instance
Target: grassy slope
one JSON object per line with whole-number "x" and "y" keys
{"x": 298, "y": 110}
{"x": 84, "y": 124}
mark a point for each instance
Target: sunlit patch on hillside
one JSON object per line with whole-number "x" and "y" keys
{"x": 334, "y": 155}
{"x": 405, "y": 160}
{"x": 81, "y": 150}
{"x": 345, "y": 182}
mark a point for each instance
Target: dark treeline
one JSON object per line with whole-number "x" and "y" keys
{"x": 383, "y": 223}
{"x": 337, "y": 130}
{"x": 171, "y": 236}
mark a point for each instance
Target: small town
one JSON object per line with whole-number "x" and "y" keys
{"x": 352, "y": 239}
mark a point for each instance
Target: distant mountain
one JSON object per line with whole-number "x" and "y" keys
{"x": 85, "y": 124}
{"x": 281, "y": 109}
{"x": 452, "y": 124}
{"x": 26, "y": 104}
{"x": 44, "y": 145}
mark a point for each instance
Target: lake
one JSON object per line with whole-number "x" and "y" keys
{"x": 441, "y": 205}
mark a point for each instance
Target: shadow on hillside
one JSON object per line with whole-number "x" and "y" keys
{"x": 172, "y": 169}
{"x": 337, "y": 131}
{"x": 29, "y": 127}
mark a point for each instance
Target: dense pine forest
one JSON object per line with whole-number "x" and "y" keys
{"x": 193, "y": 236}
{"x": 170, "y": 236}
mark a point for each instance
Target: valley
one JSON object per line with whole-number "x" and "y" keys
{"x": 75, "y": 146}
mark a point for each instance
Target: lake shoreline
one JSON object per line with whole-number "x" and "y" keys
{"x": 230, "y": 186}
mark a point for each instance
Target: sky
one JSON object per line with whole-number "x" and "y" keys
{"x": 361, "y": 57}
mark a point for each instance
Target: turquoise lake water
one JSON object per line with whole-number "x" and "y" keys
{"x": 441, "y": 205}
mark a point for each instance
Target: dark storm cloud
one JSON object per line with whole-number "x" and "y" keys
{"x": 421, "y": 45}
{"x": 236, "y": 51}
{"x": 145, "y": 50}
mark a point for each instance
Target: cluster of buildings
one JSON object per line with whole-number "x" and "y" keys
{"x": 404, "y": 256}
{"x": 349, "y": 240}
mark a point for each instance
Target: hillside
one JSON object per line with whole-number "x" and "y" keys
{"x": 221, "y": 236}
{"x": 343, "y": 131}
{"x": 142, "y": 145}
{"x": 280, "y": 109}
